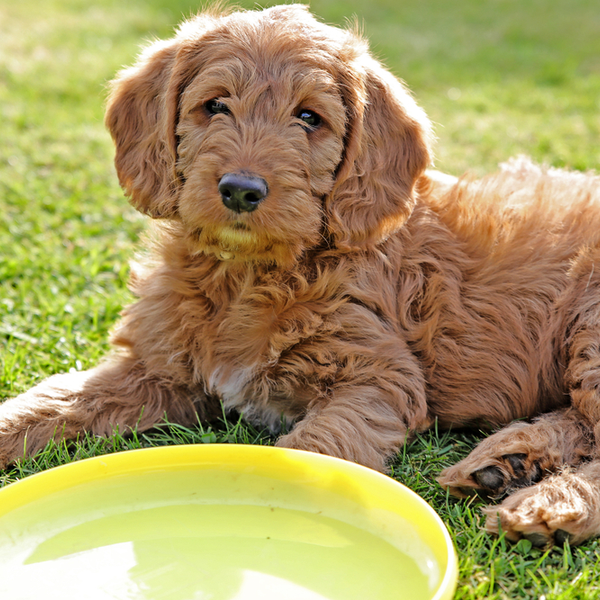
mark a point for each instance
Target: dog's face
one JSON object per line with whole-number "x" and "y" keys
{"x": 260, "y": 134}
{"x": 267, "y": 133}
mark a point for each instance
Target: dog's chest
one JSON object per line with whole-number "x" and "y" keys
{"x": 243, "y": 340}
{"x": 235, "y": 350}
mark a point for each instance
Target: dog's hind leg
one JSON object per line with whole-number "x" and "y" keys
{"x": 563, "y": 507}
{"x": 520, "y": 455}
{"x": 566, "y": 505}
{"x": 523, "y": 453}
{"x": 583, "y": 368}
{"x": 119, "y": 393}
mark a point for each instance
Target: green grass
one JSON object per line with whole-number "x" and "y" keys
{"x": 499, "y": 77}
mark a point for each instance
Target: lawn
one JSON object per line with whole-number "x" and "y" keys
{"x": 498, "y": 77}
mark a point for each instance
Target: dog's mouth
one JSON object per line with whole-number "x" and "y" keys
{"x": 228, "y": 241}
{"x": 239, "y": 226}
{"x": 237, "y": 236}
{"x": 239, "y": 243}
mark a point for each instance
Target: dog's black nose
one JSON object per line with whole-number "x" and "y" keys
{"x": 242, "y": 193}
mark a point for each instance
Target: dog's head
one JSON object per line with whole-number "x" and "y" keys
{"x": 267, "y": 133}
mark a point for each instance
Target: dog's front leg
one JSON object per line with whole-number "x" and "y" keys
{"x": 369, "y": 410}
{"x": 119, "y": 393}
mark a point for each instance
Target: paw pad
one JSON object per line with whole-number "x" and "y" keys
{"x": 512, "y": 473}
{"x": 561, "y": 536}
{"x": 538, "y": 540}
{"x": 516, "y": 461}
{"x": 490, "y": 478}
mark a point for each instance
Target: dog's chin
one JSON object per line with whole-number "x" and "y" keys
{"x": 235, "y": 245}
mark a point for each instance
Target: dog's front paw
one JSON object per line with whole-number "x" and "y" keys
{"x": 563, "y": 507}
{"x": 313, "y": 438}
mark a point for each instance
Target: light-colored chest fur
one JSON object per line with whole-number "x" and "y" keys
{"x": 250, "y": 342}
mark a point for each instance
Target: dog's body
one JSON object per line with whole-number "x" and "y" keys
{"x": 309, "y": 270}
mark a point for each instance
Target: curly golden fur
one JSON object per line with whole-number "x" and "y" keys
{"x": 309, "y": 270}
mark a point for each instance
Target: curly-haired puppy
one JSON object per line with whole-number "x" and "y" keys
{"x": 309, "y": 270}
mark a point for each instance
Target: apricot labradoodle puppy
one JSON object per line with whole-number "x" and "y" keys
{"x": 308, "y": 269}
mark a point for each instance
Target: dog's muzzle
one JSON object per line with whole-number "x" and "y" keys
{"x": 242, "y": 193}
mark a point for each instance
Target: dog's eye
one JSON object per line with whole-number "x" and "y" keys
{"x": 311, "y": 118}
{"x": 216, "y": 107}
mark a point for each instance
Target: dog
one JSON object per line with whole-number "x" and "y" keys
{"x": 310, "y": 269}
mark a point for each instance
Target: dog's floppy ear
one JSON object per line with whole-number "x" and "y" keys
{"x": 387, "y": 149}
{"x": 141, "y": 121}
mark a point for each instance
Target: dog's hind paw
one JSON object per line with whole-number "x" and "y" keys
{"x": 519, "y": 456}
{"x": 564, "y": 507}
{"x": 502, "y": 475}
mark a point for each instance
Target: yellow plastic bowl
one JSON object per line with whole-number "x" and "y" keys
{"x": 220, "y": 522}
